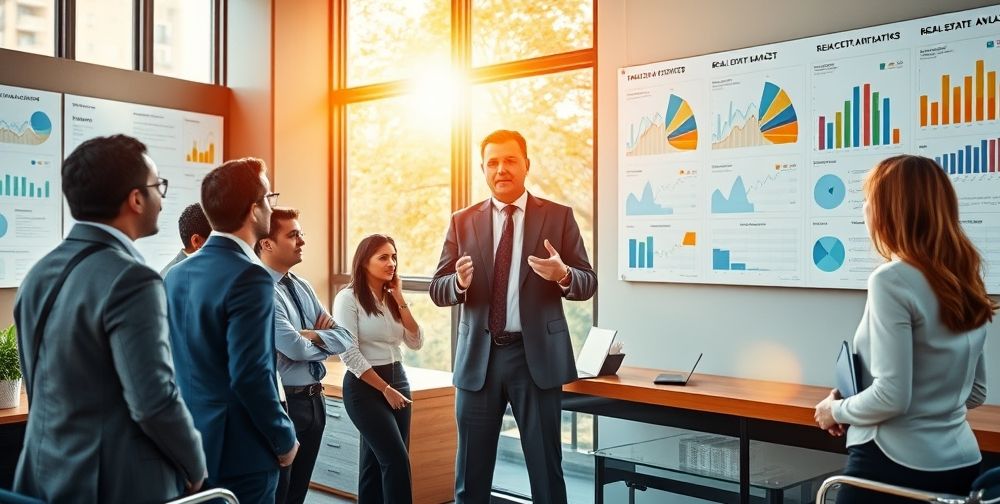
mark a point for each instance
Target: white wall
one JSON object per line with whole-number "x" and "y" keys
{"x": 786, "y": 334}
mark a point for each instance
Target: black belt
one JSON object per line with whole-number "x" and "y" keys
{"x": 506, "y": 338}
{"x": 305, "y": 390}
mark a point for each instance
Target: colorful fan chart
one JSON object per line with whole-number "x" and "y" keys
{"x": 682, "y": 130}
{"x": 778, "y": 122}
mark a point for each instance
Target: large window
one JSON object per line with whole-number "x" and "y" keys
{"x": 178, "y": 40}
{"x": 417, "y": 85}
{"x": 28, "y": 25}
{"x": 104, "y": 32}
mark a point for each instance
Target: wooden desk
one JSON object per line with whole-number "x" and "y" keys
{"x": 433, "y": 434}
{"x": 18, "y": 414}
{"x": 758, "y": 399}
{"x": 763, "y": 410}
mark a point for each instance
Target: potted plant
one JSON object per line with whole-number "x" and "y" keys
{"x": 10, "y": 369}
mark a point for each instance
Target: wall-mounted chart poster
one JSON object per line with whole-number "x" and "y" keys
{"x": 30, "y": 184}
{"x": 184, "y": 145}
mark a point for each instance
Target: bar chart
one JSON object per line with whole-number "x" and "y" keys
{"x": 977, "y": 157}
{"x": 14, "y": 186}
{"x": 201, "y": 155}
{"x": 664, "y": 248}
{"x": 864, "y": 121}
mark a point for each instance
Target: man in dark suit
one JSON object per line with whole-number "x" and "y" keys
{"x": 107, "y": 422}
{"x": 194, "y": 229}
{"x": 222, "y": 327}
{"x": 509, "y": 261}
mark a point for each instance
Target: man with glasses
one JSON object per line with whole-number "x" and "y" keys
{"x": 107, "y": 422}
{"x": 222, "y": 327}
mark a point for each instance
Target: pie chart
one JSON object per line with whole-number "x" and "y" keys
{"x": 3, "y": 226}
{"x": 828, "y": 254}
{"x": 830, "y": 191}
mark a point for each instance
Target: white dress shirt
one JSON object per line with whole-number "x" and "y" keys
{"x": 379, "y": 336}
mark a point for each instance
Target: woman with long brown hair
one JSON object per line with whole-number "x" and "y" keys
{"x": 919, "y": 343}
{"x": 376, "y": 391}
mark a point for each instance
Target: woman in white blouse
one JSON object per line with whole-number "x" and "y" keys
{"x": 376, "y": 391}
{"x": 920, "y": 341}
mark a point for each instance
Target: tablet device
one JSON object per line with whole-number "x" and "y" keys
{"x": 847, "y": 373}
{"x": 594, "y": 352}
{"x": 676, "y": 378}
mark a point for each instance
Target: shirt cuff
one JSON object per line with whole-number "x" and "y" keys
{"x": 835, "y": 409}
{"x": 458, "y": 289}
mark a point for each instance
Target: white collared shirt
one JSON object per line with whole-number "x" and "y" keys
{"x": 120, "y": 236}
{"x": 246, "y": 248}
{"x": 513, "y": 281}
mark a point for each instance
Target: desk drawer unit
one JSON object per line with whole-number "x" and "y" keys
{"x": 337, "y": 463}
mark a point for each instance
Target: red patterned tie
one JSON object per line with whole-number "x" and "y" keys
{"x": 501, "y": 273}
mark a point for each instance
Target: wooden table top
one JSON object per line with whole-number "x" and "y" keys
{"x": 18, "y": 414}
{"x": 758, "y": 399}
{"x": 424, "y": 383}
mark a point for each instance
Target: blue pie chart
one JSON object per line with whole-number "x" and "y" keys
{"x": 829, "y": 191}
{"x": 829, "y": 254}
{"x": 3, "y": 225}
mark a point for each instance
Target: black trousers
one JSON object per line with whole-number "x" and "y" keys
{"x": 308, "y": 414}
{"x": 384, "y": 473}
{"x": 870, "y": 462}
{"x": 480, "y": 415}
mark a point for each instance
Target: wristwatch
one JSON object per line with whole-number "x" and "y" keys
{"x": 564, "y": 281}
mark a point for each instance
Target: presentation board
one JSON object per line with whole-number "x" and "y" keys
{"x": 30, "y": 190}
{"x": 745, "y": 167}
{"x": 184, "y": 145}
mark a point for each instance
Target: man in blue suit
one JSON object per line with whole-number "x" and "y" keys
{"x": 221, "y": 304}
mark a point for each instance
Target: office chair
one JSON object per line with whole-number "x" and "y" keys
{"x": 985, "y": 490}
{"x": 9, "y": 497}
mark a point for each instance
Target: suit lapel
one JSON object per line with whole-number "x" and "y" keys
{"x": 482, "y": 226}
{"x": 534, "y": 219}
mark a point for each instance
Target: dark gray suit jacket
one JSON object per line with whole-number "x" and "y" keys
{"x": 107, "y": 423}
{"x": 173, "y": 262}
{"x": 547, "y": 345}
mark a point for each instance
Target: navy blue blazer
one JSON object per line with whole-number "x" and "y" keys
{"x": 221, "y": 312}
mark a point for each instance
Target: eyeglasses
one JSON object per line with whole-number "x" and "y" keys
{"x": 161, "y": 185}
{"x": 272, "y": 198}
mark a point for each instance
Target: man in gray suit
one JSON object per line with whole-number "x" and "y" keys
{"x": 107, "y": 423}
{"x": 509, "y": 261}
{"x": 194, "y": 229}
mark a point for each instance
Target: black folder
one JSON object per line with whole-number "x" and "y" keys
{"x": 848, "y": 383}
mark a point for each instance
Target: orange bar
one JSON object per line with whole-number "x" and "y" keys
{"x": 956, "y": 104}
{"x": 979, "y": 90}
{"x": 895, "y": 136}
{"x": 689, "y": 239}
{"x": 934, "y": 113}
{"x": 923, "y": 111}
{"x": 968, "y": 98}
{"x": 945, "y": 88}
{"x": 991, "y": 92}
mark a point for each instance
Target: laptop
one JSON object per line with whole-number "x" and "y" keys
{"x": 676, "y": 378}
{"x": 847, "y": 372}
{"x": 595, "y": 350}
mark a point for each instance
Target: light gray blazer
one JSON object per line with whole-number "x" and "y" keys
{"x": 106, "y": 422}
{"x": 919, "y": 377}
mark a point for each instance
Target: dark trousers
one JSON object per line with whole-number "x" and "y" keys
{"x": 480, "y": 415}
{"x": 253, "y": 488}
{"x": 384, "y": 473}
{"x": 308, "y": 414}
{"x": 870, "y": 462}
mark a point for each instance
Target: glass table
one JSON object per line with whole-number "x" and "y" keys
{"x": 706, "y": 466}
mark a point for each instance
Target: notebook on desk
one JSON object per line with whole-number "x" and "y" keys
{"x": 594, "y": 352}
